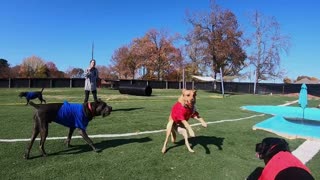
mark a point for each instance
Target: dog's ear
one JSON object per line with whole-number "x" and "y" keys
{"x": 181, "y": 100}
{"x": 183, "y": 91}
{"x": 194, "y": 92}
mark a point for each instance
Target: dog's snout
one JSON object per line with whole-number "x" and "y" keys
{"x": 107, "y": 110}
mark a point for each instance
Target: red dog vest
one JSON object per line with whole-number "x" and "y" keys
{"x": 279, "y": 162}
{"x": 179, "y": 113}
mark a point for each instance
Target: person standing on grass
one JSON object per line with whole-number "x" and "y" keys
{"x": 91, "y": 78}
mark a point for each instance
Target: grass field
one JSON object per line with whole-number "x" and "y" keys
{"x": 223, "y": 150}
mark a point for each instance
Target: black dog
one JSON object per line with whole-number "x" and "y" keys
{"x": 70, "y": 115}
{"x": 280, "y": 163}
{"x": 32, "y": 95}
{"x": 269, "y": 147}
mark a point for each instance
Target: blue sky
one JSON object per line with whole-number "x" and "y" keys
{"x": 62, "y": 31}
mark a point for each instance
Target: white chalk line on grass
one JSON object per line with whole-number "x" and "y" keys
{"x": 307, "y": 150}
{"x": 289, "y": 103}
{"x": 129, "y": 134}
{"x": 138, "y": 133}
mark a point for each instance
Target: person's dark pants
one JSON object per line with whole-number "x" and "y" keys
{"x": 86, "y": 93}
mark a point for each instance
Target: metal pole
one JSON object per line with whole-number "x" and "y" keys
{"x": 255, "y": 82}
{"x": 183, "y": 84}
{"x": 92, "y": 49}
{"x": 221, "y": 77}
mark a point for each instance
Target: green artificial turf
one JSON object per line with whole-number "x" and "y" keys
{"x": 223, "y": 150}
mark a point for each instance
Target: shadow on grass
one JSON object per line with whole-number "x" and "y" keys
{"x": 204, "y": 141}
{"x": 127, "y": 109}
{"x": 77, "y": 149}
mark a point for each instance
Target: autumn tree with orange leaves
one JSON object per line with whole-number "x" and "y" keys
{"x": 53, "y": 71}
{"x": 161, "y": 57}
{"x": 106, "y": 73}
{"x": 73, "y": 72}
{"x": 121, "y": 61}
{"x": 33, "y": 67}
{"x": 154, "y": 52}
{"x": 216, "y": 41}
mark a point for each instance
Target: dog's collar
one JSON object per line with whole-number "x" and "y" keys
{"x": 90, "y": 108}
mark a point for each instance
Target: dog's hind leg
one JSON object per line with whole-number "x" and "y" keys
{"x": 35, "y": 133}
{"x": 87, "y": 139}
{"x": 41, "y": 99}
{"x": 168, "y": 132}
{"x": 43, "y": 134}
{"x": 71, "y": 130}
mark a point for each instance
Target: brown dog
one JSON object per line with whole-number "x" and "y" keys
{"x": 71, "y": 115}
{"x": 179, "y": 116}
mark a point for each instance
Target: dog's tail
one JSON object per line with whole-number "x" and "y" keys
{"x": 34, "y": 105}
{"x": 42, "y": 89}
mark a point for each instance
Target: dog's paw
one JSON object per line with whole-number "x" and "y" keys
{"x": 190, "y": 150}
{"x": 26, "y": 156}
{"x": 163, "y": 150}
{"x": 68, "y": 145}
{"x": 204, "y": 125}
{"x": 98, "y": 150}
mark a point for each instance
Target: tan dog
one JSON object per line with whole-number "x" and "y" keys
{"x": 181, "y": 112}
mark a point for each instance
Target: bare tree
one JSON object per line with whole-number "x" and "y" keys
{"x": 216, "y": 40}
{"x": 266, "y": 47}
{"x": 195, "y": 54}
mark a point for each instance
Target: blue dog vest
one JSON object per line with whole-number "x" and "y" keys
{"x": 72, "y": 115}
{"x": 31, "y": 95}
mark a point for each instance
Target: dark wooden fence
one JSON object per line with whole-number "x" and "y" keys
{"x": 229, "y": 87}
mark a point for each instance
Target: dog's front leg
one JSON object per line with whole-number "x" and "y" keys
{"x": 85, "y": 136}
{"x": 201, "y": 120}
{"x": 67, "y": 142}
{"x": 168, "y": 132}
{"x": 188, "y": 127}
{"x": 35, "y": 133}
